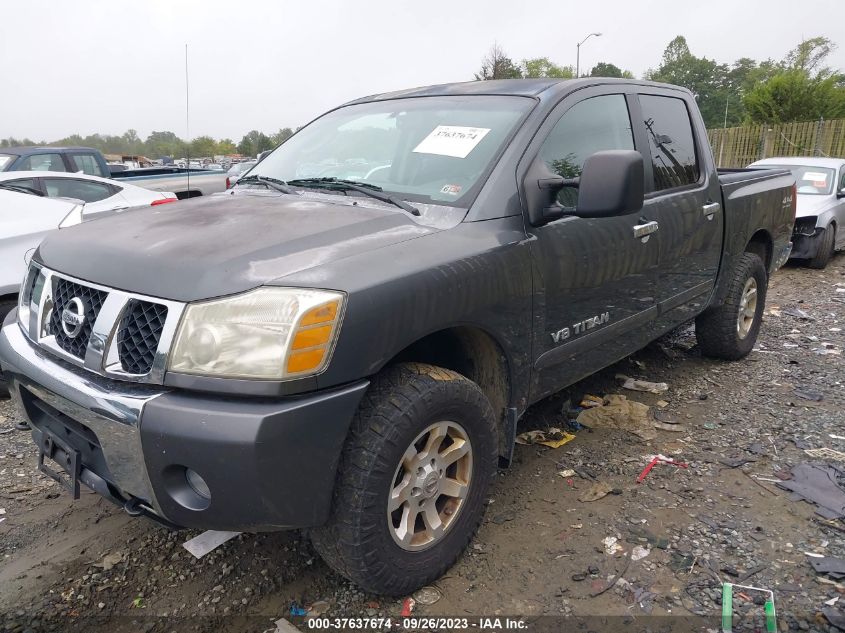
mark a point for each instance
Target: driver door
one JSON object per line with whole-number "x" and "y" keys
{"x": 593, "y": 277}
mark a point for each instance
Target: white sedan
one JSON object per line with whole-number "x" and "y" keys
{"x": 98, "y": 194}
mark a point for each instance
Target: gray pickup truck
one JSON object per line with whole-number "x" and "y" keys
{"x": 346, "y": 340}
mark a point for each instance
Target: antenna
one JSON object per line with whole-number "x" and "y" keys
{"x": 187, "y": 125}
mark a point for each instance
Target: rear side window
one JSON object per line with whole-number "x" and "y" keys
{"x": 42, "y": 162}
{"x": 79, "y": 189}
{"x": 671, "y": 141}
{"x": 27, "y": 185}
{"x": 86, "y": 163}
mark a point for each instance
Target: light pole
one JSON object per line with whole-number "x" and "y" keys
{"x": 578, "y": 54}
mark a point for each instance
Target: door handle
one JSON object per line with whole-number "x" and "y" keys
{"x": 710, "y": 209}
{"x": 644, "y": 230}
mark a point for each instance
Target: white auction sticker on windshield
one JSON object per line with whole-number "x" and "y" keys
{"x": 452, "y": 140}
{"x": 815, "y": 176}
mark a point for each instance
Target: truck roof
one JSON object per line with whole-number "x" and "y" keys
{"x": 24, "y": 150}
{"x": 809, "y": 161}
{"x": 507, "y": 87}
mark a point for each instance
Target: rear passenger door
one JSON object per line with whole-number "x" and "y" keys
{"x": 684, "y": 197}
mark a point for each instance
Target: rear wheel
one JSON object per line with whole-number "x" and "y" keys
{"x": 826, "y": 246}
{"x": 730, "y": 330}
{"x": 412, "y": 481}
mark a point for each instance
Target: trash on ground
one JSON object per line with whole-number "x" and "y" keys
{"x": 109, "y": 561}
{"x": 727, "y": 606}
{"x": 808, "y": 394}
{"x": 284, "y": 626}
{"x": 407, "y": 607}
{"x": 318, "y": 608}
{"x": 835, "y": 617}
{"x": 656, "y": 459}
{"x": 618, "y": 412}
{"x": 590, "y": 401}
{"x": 566, "y": 474}
{"x": 832, "y": 601}
{"x": 296, "y": 611}
{"x": 597, "y": 491}
{"x": 639, "y": 552}
{"x": 553, "y": 437}
{"x": 828, "y": 565}
{"x": 662, "y": 404}
{"x": 208, "y": 541}
{"x": 672, "y": 428}
{"x": 734, "y": 462}
{"x": 820, "y": 485}
{"x": 836, "y": 437}
{"x": 826, "y": 453}
{"x": 798, "y": 313}
{"x": 427, "y": 595}
{"x": 642, "y": 385}
{"x": 611, "y": 545}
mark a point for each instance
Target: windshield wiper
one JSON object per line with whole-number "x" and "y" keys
{"x": 338, "y": 184}
{"x": 272, "y": 183}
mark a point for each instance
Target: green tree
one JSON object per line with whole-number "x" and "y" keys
{"x": 497, "y": 65}
{"x": 603, "y": 69}
{"x": 255, "y": 142}
{"x": 281, "y": 136}
{"x": 705, "y": 78}
{"x": 800, "y": 88}
{"x": 543, "y": 67}
{"x": 203, "y": 146}
{"x": 159, "y": 144}
{"x": 226, "y": 146}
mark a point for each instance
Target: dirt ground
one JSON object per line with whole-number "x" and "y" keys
{"x": 540, "y": 551}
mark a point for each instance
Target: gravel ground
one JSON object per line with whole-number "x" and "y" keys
{"x": 540, "y": 551}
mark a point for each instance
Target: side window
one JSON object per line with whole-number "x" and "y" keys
{"x": 86, "y": 163}
{"x": 27, "y": 185}
{"x": 670, "y": 141}
{"x": 42, "y": 162}
{"x": 842, "y": 180}
{"x": 78, "y": 189}
{"x": 590, "y": 126}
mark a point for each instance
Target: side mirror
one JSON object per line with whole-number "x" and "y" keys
{"x": 841, "y": 193}
{"x": 611, "y": 184}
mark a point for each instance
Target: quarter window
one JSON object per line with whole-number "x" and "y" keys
{"x": 86, "y": 163}
{"x": 670, "y": 141}
{"x": 78, "y": 189}
{"x": 590, "y": 126}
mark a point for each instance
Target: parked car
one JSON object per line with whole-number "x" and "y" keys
{"x": 820, "y": 215}
{"x": 353, "y": 357}
{"x": 237, "y": 170}
{"x": 185, "y": 183}
{"x": 98, "y": 194}
{"x": 71, "y": 159}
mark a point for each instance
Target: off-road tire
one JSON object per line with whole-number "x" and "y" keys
{"x": 402, "y": 401}
{"x": 825, "y": 252}
{"x": 716, "y": 329}
{"x": 5, "y": 308}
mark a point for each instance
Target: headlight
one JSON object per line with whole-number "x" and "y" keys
{"x": 269, "y": 334}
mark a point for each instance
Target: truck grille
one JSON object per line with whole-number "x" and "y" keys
{"x": 139, "y": 335}
{"x": 92, "y": 300}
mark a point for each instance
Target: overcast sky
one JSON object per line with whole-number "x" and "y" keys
{"x": 106, "y": 66}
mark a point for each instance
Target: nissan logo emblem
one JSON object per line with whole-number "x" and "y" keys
{"x": 73, "y": 317}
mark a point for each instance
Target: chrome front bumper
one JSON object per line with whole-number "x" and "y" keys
{"x": 111, "y": 410}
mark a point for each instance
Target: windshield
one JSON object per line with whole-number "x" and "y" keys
{"x": 812, "y": 181}
{"x": 5, "y": 160}
{"x": 429, "y": 149}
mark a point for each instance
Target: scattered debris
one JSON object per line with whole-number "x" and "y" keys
{"x": 208, "y": 541}
{"x": 662, "y": 404}
{"x": 611, "y": 545}
{"x": 808, "y": 394}
{"x": 656, "y": 459}
{"x": 553, "y": 437}
{"x": 828, "y": 565}
{"x": 427, "y": 595}
{"x": 819, "y": 485}
{"x": 407, "y": 607}
{"x": 590, "y": 401}
{"x": 727, "y": 606}
{"x": 597, "y": 491}
{"x": 318, "y": 608}
{"x": 618, "y": 412}
{"x": 826, "y": 453}
{"x": 566, "y": 474}
{"x": 669, "y": 426}
{"x": 296, "y": 611}
{"x": 639, "y": 552}
{"x": 109, "y": 561}
{"x": 642, "y": 385}
{"x": 612, "y": 580}
{"x": 735, "y": 462}
{"x": 284, "y": 626}
{"x": 798, "y": 313}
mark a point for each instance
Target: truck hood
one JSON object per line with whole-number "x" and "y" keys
{"x": 225, "y": 244}
{"x": 813, "y": 205}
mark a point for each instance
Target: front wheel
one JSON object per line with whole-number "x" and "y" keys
{"x": 730, "y": 330}
{"x": 412, "y": 480}
{"x": 826, "y": 247}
